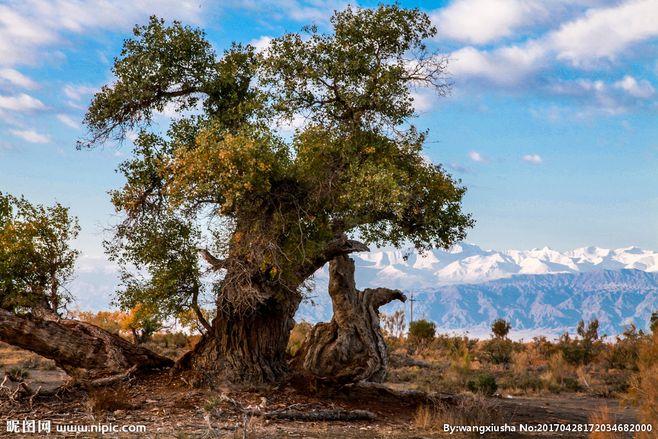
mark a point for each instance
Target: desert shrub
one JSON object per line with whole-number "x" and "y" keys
{"x": 559, "y": 369}
{"x": 500, "y": 328}
{"x": 520, "y": 362}
{"x": 584, "y": 348}
{"x": 18, "y": 373}
{"x": 453, "y": 344}
{"x": 624, "y": 352}
{"x": 498, "y": 350}
{"x": 544, "y": 347}
{"x": 297, "y": 336}
{"x": 425, "y": 417}
{"x": 528, "y": 382}
{"x": 421, "y": 331}
{"x": 604, "y": 416}
{"x": 469, "y": 411}
{"x": 484, "y": 383}
{"x": 643, "y": 389}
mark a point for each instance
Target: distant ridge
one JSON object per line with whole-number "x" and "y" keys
{"x": 468, "y": 263}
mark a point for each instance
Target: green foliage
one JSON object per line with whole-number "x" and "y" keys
{"x": 624, "y": 352}
{"x": 222, "y": 178}
{"x": 36, "y": 259}
{"x": 422, "y": 330}
{"x": 583, "y": 349}
{"x": 484, "y": 383}
{"x": 499, "y": 350}
{"x": 500, "y": 328}
{"x": 653, "y": 322}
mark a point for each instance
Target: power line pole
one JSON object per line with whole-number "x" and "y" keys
{"x": 411, "y": 304}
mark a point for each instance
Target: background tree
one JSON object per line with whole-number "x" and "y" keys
{"x": 36, "y": 260}
{"x": 500, "y": 328}
{"x": 222, "y": 199}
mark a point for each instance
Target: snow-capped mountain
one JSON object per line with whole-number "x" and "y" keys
{"x": 540, "y": 290}
{"x": 543, "y": 304}
{"x": 465, "y": 288}
{"x": 467, "y": 263}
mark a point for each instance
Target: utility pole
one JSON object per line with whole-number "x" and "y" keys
{"x": 411, "y": 304}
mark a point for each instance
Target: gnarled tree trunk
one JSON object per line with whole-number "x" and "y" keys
{"x": 81, "y": 349}
{"x": 247, "y": 348}
{"x": 351, "y": 347}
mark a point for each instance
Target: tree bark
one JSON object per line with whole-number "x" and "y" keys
{"x": 351, "y": 347}
{"x": 247, "y": 348}
{"x": 81, "y": 349}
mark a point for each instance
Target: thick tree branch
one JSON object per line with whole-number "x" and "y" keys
{"x": 337, "y": 247}
{"x": 216, "y": 263}
{"x": 197, "y": 311}
{"x": 76, "y": 345}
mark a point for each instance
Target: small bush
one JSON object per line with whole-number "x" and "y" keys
{"x": 421, "y": 330}
{"x": 498, "y": 350}
{"x": 485, "y": 384}
{"x": 18, "y": 374}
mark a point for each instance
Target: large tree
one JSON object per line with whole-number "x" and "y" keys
{"x": 276, "y": 162}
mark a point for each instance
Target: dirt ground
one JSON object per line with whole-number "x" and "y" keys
{"x": 169, "y": 408}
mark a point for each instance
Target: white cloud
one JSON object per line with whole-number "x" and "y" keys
{"x": 639, "y": 89}
{"x": 485, "y": 21}
{"x": 534, "y": 159}
{"x": 77, "y": 92}
{"x": 604, "y": 33}
{"x": 68, "y": 121}
{"x": 261, "y": 44}
{"x": 15, "y": 78}
{"x": 601, "y": 34}
{"x": 422, "y": 100}
{"x": 30, "y": 136}
{"x": 20, "y": 102}
{"x": 27, "y": 27}
{"x": 477, "y": 157}
{"x": 504, "y": 66}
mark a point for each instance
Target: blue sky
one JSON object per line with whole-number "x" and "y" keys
{"x": 551, "y": 123}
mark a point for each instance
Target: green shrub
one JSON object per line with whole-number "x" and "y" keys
{"x": 18, "y": 374}
{"x": 484, "y": 383}
{"x": 421, "y": 330}
{"x": 498, "y": 350}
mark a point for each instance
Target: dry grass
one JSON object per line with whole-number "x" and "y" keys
{"x": 604, "y": 416}
{"x": 107, "y": 400}
{"x": 469, "y": 411}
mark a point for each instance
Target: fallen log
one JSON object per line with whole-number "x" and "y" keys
{"x": 79, "y": 348}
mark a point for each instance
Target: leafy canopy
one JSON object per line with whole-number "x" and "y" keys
{"x": 36, "y": 259}
{"x": 225, "y": 177}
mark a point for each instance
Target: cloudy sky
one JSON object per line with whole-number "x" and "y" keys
{"x": 552, "y": 120}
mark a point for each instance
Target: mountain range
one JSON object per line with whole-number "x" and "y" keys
{"x": 468, "y": 263}
{"x": 464, "y": 288}
{"x": 541, "y": 291}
